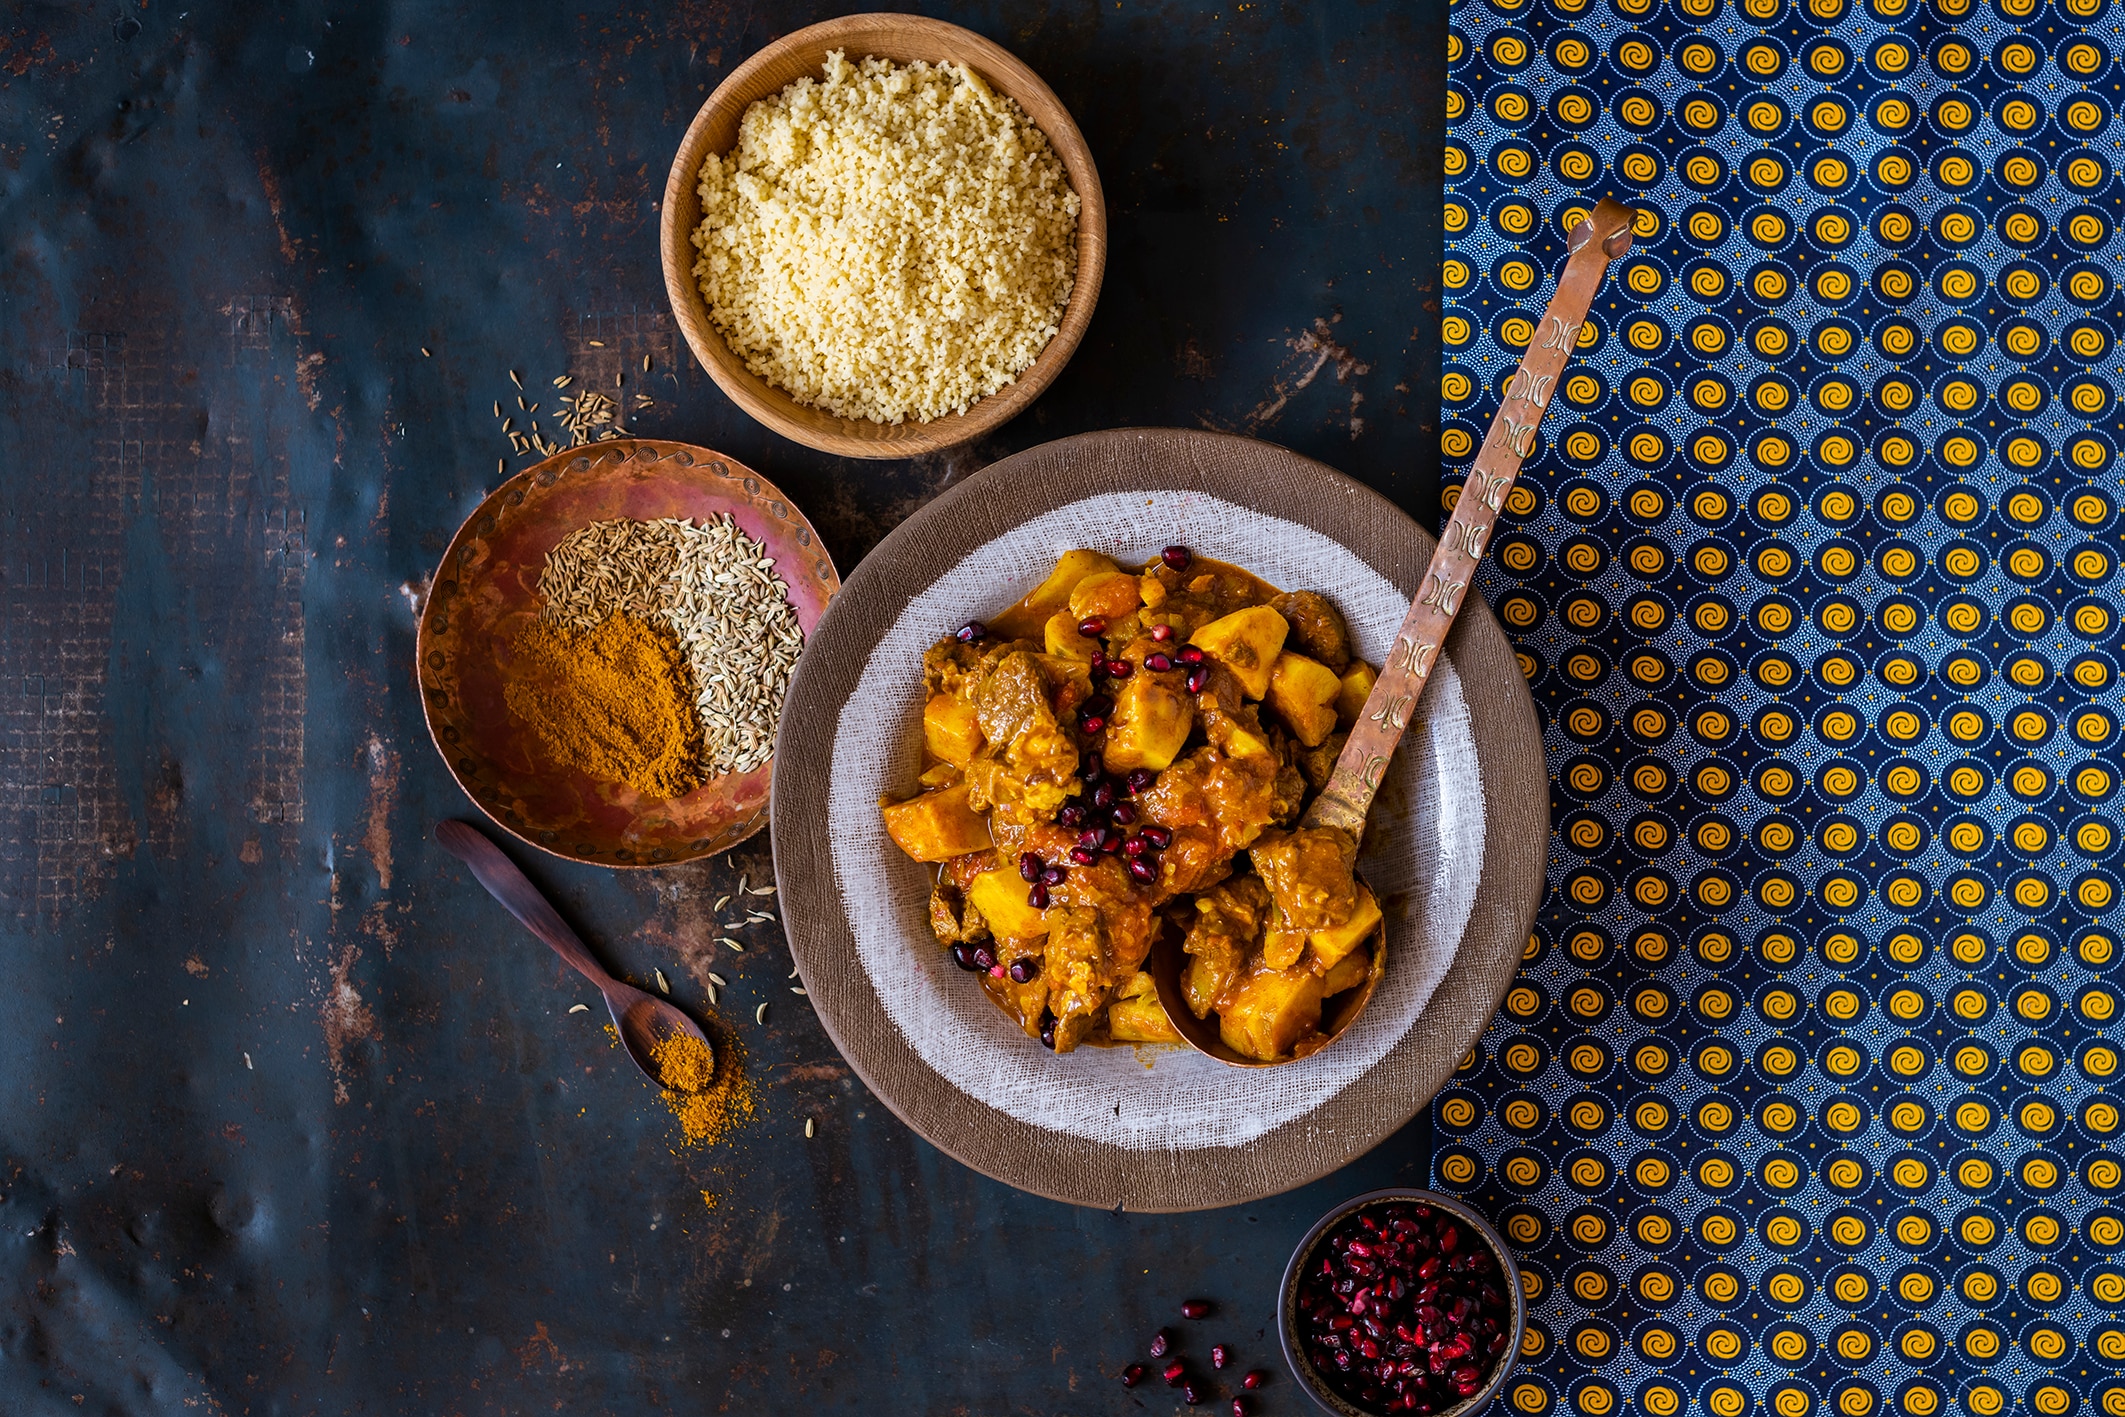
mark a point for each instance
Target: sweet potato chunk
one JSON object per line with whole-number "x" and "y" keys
{"x": 1140, "y": 1021}
{"x": 1348, "y": 974}
{"x": 1303, "y": 692}
{"x": 1108, "y": 594}
{"x": 937, "y": 825}
{"x": 1051, "y": 595}
{"x": 1270, "y": 1011}
{"x": 951, "y": 729}
{"x": 1000, "y": 896}
{"x": 1065, "y": 642}
{"x": 1148, "y": 727}
{"x": 1351, "y": 693}
{"x": 1247, "y": 642}
{"x": 1331, "y": 945}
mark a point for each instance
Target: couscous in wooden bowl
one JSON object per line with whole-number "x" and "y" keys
{"x": 904, "y": 39}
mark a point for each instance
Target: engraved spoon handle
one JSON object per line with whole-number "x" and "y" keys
{"x": 1603, "y": 236}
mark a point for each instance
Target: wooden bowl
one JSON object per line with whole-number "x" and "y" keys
{"x": 902, "y": 39}
{"x": 486, "y": 591}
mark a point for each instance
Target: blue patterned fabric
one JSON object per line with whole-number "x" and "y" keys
{"x": 1807, "y": 1097}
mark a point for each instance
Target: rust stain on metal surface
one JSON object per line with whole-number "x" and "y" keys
{"x": 348, "y": 1020}
{"x": 383, "y": 798}
{"x": 1314, "y": 350}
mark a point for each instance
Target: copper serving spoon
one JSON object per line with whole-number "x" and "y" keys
{"x": 1600, "y": 238}
{"x": 644, "y": 1020}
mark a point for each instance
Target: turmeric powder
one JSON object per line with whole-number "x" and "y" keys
{"x": 706, "y": 1090}
{"x": 615, "y": 703}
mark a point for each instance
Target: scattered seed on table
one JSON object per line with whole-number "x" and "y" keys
{"x": 515, "y": 380}
{"x": 247, "y": 1062}
{"x": 597, "y": 344}
{"x": 723, "y": 902}
{"x": 718, "y": 980}
{"x": 662, "y": 987}
{"x": 520, "y": 403}
{"x": 808, "y": 1129}
{"x": 498, "y": 410}
{"x": 763, "y": 890}
{"x": 562, "y": 381}
{"x": 580, "y": 1008}
{"x": 796, "y": 991}
{"x": 425, "y": 354}
{"x": 645, "y": 362}
{"x": 726, "y": 940}
{"x": 760, "y": 1014}
{"x": 793, "y": 974}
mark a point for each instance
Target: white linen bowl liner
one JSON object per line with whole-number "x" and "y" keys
{"x": 1423, "y": 850}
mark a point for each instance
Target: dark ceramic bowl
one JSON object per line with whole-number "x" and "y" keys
{"x": 1312, "y": 1380}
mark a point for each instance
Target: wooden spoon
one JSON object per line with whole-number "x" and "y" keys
{"x": 644, "y": 1020}
{"x": 1603, "y": 236}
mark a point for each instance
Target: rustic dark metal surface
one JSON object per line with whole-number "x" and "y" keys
{"x": 249, "y": 1161}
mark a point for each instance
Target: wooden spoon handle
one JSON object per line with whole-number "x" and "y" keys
{"x": 519, "y": 896}
{"x": 1593, "y": 243}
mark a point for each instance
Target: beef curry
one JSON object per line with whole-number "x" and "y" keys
{"x": 1099, "y": 766}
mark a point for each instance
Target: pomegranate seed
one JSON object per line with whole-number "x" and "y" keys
{"x": 1134, "y": 846}
{"x": 1159, "y": 837}
{"x": 1123, "y": 814}
{"x": 1189, "y": 1394}
{"x": 996, "y": 973}
{"x": 984, "y": 957}
{"x": 1395, "y": 1314}
{"x": 1189, "y": 655}
{"x": 1099, "y": 662}
{"x": 1162, "y": 633}
{"x": 1083, "y": 855}
{"x": 1047, "y": 1032}
{"x": 1088, "y": 837}
{"x": 1092, "y": 625}
{"x": 1255, "y": 1378}
{"x": 1053, "y": 876}
{"x": 1140, "y": 778}
{"x": 1038, "y": 896}
{"x": 1176, "y": 556}
{"x": 1239, "y": 1407}
{"x": 1142, "y": 871}
{"x": 1132, "y": 1375}
{"x": 1219, "y": 1355}
{"x": 1120, "y": 668}
{"x": 1072, "y": 815}
{"x": 1023, "y": 971}
{"x": 1091, "y": 723}
{"x": 1197, "y": 678}
{"x": 963, "y": 956}
{"x": 1176, "y": 1372}
{"x": 1103, "y": 796}
{"x": 1029, "y": 865}
{"x": 1158, "y": 663}
{"x": 1110, "y": 840}
{"x": 1160, "y": 1342}
{"x": 971, "y": 631}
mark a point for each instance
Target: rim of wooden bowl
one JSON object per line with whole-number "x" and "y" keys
{"x": 902, "y": 39}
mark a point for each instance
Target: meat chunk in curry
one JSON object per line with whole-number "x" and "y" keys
{"x": 1122, "y": 753}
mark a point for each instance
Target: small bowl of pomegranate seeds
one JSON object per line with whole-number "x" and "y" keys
{"x": 1402, "y": 1301}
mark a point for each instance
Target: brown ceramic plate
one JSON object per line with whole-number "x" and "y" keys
{"x": 903, "y": 39}
{"x": 486, "y": 590}
{"x": 1456, "y": 844}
